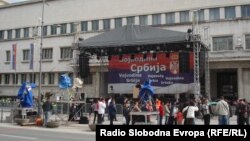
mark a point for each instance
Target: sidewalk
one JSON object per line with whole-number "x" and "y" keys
{"x": 71, "y": 128}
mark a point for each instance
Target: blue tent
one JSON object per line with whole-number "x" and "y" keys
{"x": 25, "y": 94}
{"x": 65, "y": 82}
{"x": 147, "y": 91}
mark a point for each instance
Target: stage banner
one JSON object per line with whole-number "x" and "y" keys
{"x": 169, "y": 73}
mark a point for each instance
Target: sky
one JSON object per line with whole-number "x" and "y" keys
{"x": 13, "y": 1}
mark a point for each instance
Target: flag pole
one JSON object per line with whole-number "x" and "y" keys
{"x": 40, "y": 62}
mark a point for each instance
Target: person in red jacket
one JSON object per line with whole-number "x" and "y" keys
{"x": 179, "y": 117}
{"x": 161, "y": 112}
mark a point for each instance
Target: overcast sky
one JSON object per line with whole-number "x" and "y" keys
{"x": 13, "y": 1}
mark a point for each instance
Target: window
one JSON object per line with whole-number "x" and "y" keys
{"x": 156, "y": 19}
{"x": 88, "y": 79}
{"x": 45, "y": 33}
{"x": 53, "y": 30}
{"x": 184, "y": 16}
{"x": 170, "y": 18}
{"x": 43, "y": 78}
{"x": 23, "y": 78}
{"x": 214, "y": 14}
{"x": 201, "y": 16}
{"x": 1, "y": 35}
{"x": 17, "y": 33}
{"x": 95, "y": 25}
{"x": 130, "y": 20}
{"x": 9, "y": 34}
{"x": 66, "y": 53}
{"x": 26, "y": 54}
{"x": 51, "y": 79}
{"x": 222, "y": 43}
{"x": 106, "y": 24}
{"x": 7, "y": 56}
{"x": 73, "y": 28}
{"x": 63, "y": 28}
{"x": 7, "y": 79}
{"x": 14, "y": 78}
{"x": 247, "y": 41}
{"x": 26, "y": 32}
{"x": 143, "y": 20}
{"x": 245, "y": 10}
{"x": 47, "y": 53}
{"x": 32, "y": 78}
{"x": 84, "y": 26}
{"x": 118, "y": 22}
{"x": 229, "y": 12}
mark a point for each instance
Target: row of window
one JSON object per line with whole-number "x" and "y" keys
{"x": 170, "y": 19}
{"x": 47, "y": 54}
{"x": 219, "y": 43}
{"x": 47, "y": 78}
{"x": 226, "y": 43}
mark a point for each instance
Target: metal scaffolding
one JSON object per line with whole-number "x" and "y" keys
{"x": 196, "y": 39}
{"x": 196, "y": 49}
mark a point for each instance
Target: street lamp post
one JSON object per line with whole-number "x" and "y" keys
{"x": 40, "y": 61}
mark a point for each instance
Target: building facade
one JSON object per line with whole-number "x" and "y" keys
{"x": 2, "y": 2}
{"x": 223, "y": 25}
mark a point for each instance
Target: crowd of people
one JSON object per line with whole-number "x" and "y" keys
{"x": 175, "y": 112}
{"x": 99, "y": 107}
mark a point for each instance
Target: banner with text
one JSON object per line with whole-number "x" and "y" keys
{"x": 183, "y": 133}
{"x": 169, "y": 72}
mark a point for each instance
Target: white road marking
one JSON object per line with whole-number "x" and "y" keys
{"x": 21, "y": 137}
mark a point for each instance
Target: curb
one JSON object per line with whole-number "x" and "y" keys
{"x": 63, "y": 128}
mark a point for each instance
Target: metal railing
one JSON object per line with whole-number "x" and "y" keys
{"x": 7, "y": 108}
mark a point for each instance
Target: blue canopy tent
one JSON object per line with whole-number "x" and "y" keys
{"x": 25, "y": 94}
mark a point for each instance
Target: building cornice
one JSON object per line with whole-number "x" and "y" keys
{"x": 22, "y": 3}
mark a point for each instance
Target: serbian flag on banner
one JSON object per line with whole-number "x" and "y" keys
{"x": 14, "y": 56}
{"x": 31, "y": 56}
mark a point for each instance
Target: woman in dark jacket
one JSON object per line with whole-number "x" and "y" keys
{"x": 126, "y": 113}
{"x": 112, "y": 111}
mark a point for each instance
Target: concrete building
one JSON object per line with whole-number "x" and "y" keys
{"x": 3, "y": 2}
{"x": 224, "y": 26}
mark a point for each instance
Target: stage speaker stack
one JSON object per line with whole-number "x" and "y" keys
{"x": 184, "y": 62}
{"x": 82, "y": 96}
{"x": 84, "y": 65}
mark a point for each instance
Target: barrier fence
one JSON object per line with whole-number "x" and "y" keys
{"x": 7, "y": 108}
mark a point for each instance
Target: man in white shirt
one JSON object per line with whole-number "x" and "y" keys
{"x": 101, "y": 110}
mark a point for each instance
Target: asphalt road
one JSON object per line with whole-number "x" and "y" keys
{"x": 15, "y": 134}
